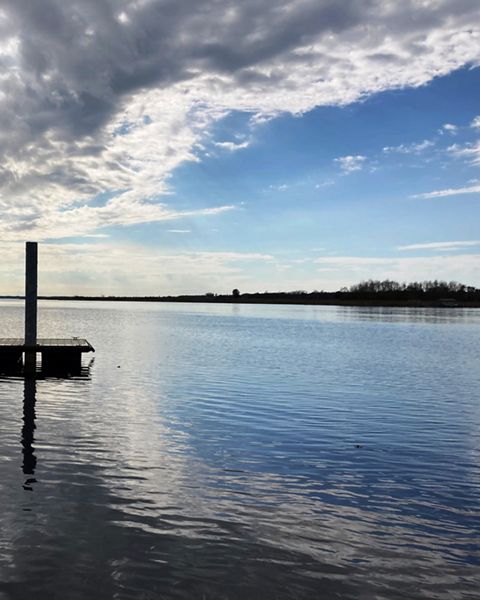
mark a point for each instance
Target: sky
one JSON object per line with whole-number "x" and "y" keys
{"x": 157, "y": 147}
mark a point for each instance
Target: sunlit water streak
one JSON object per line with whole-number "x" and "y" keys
{"x": 245, "y": 452}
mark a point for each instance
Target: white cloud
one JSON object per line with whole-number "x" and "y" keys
{"x": 475, "y": 123}
{"x": 123, "y": 210}
{"x": 413, "y": 148}
{"x": 470, "y": 152}
{"x": 348, "y": 164}
{"x": 472, "y": 189}
{"x": 179, "y": 231}
{"x": 232, "y": 146}
{"x": 450, "y": 128}
{"x": 106, "y": 96}
{"x": 448, "y": 246}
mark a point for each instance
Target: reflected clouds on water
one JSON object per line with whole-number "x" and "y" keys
{"x": 243, "y": 454}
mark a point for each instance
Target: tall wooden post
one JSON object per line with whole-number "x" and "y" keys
{"x": 31, "y": 260}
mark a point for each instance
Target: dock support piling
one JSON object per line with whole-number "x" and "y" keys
{"x": 31, "y": 261}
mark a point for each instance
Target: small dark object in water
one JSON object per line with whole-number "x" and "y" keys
{"x": 358, "y": 446}
{"x": 118, "y": 366}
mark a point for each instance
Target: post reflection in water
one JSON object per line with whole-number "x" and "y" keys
{"x": 29, "y": 459}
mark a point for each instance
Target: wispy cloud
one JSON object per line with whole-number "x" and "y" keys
{"x": 469, "y": 151}
{"x": 84, "y": 220}
{"x": 179, "y": 230}
{"x": 413, "y": 148}
{"x": 232, "y": 146}
{"x": 282, "y": 187}
{"x": 471, "y": 189}
{"x": 448, "y": 246}
{"x": 351, "y": 163}
{"x": 326, "y": 183}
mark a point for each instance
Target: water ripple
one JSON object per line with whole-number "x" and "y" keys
{"x": 245, "y": 452}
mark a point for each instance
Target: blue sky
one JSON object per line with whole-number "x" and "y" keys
{"x": 289, "y": 163}
{"x": 295, "y": 193}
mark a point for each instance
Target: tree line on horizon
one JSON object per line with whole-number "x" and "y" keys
{"x": 376, "y": 287}
{"x": 387, "y": 289}
{"x": 434, "y": 287}
{"x": 370, "y": 290}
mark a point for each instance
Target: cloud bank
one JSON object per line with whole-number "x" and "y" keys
{"x": 452, "y": 267}
{"x": 75, "y": 268}
{"x": 109, "y": 97}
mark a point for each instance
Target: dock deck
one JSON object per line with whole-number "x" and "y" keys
{"x": 43, "y": 344}
{"x": 59, "y": 355}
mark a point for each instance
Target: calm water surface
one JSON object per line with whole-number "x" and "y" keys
{"x": 219, "y": 452}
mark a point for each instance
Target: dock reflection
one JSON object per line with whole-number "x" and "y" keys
{"x": 29, "y": 463}
{"x": 28, "y": 432}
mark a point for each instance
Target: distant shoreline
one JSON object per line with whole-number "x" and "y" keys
{"x": 325, "y": 299}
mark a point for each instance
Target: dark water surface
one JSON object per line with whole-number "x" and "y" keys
{"x": 218, "y": 452}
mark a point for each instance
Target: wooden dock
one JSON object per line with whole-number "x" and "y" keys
{"x": 19, "y": 355}
{"x": 58, "y": 355}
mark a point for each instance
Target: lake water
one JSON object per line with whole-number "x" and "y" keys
{"x": 242, "y": 452}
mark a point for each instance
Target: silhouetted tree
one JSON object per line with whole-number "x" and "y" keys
{"x": 429, "y": 290}
{"x": 235, "y": 293}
